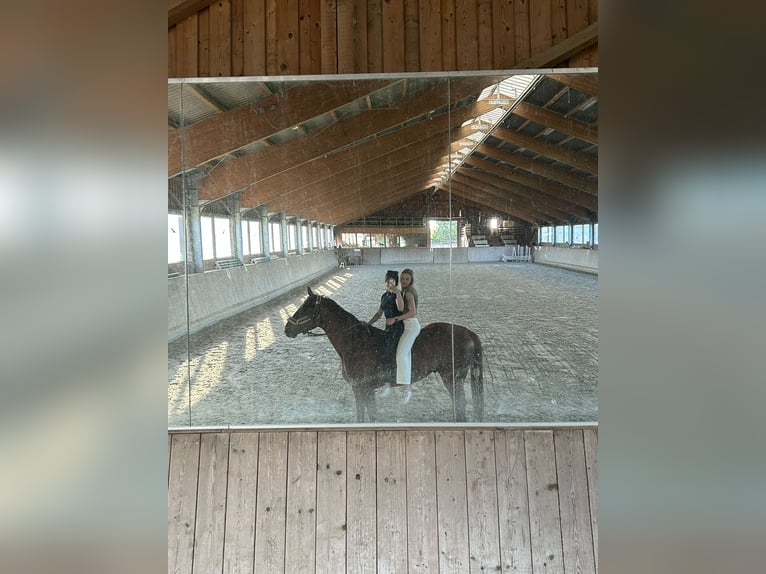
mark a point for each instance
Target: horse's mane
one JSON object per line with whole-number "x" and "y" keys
{"x": 338, "y": 309}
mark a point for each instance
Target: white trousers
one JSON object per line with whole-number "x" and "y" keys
{"x": 403, "y": 355}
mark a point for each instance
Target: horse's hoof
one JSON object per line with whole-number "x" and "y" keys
{"x": 407, "y": 396}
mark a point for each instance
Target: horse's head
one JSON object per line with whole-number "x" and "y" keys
{"x": 305, "y": 318}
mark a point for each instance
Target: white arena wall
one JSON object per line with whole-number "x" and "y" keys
{"x": 216, "y": 295}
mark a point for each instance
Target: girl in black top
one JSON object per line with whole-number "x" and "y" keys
{"x": 390, "y": 308}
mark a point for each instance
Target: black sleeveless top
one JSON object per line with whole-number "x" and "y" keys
{"x": 388, "y": 304}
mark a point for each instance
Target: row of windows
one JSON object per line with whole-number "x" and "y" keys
{"x": 571, "y": 234}
{"x": 217, "y": 241}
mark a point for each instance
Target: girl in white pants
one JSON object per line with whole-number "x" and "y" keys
{"x": 407, "y": 302}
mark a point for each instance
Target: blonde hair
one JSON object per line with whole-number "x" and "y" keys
{"x": 409, "y": 272}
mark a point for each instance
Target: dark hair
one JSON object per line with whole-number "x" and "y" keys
{"x": 409, "y": 272}
{"x": 393, "y": 275}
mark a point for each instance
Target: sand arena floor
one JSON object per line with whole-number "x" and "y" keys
{"x": 538, "y": 326}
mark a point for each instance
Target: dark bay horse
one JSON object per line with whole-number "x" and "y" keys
{"x": 444, "y": 348}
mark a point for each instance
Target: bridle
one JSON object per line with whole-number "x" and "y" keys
{"x": 314, "y": 316}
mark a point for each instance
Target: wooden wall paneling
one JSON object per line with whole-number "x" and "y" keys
{"x": 393, "y": 36}
{"x": 466, "y": 35}
{"x": 360, "y": 36}
{"x": 220, "y": 38}
{"x": 300, "y": 520}
{"x": 331, "y": 503}
{"x": 203, "y": 43}
{"x": 237, "y": 37}
{"x": 521, "y": 23}
{"x": 449, "y": 43}
{"x": 254, "y": 38}
{"x": 239, "y": 541}
{"x": 589, "y": 56}
{"x": 452, "y": 501}
{"x": 577, "y": 19}
{"x": 545, "y": 524}
{"x": 430, "y": 21}
{"x": 186, "y": 47}
{"x": 411, "y": 36}
{"x": 361, "y": 509}
{"x": 375, "y": 36}
{"x": 345, "y": 15}
{"x": 182, "y": 502}
{"x": 310, "y": 32}
{"x": 422, "y": 525}
{"x": 272, "y": 49}
{"x": 512, "y": 501}
{"x": 180, "y": 9}
{"x": 503, "y": 35}
{"x": 559, "y": 21}
{"x": 329, "y": 40}
{"x": 392, "y": 501}
{"x": 486, "y": 37}
{"x": 270, "y": 502}
{"x": 590, "y": 438}
{"x": 539, "y": 26}
{"x": 288, "y": 60}
{"x": 481, "y": 477}
{"x": 576, "y": 532}
{"x": 172, "y": 52}
{"x": 211, "y": 502}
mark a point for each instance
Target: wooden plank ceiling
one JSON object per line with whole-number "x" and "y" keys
{"x": 340, "y": 151}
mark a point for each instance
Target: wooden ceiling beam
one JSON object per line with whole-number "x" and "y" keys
{"x": 240, "y": 173}
{"x": 556, "y": 209}
{"x": 573, "y": 158}
{"x": 493, "y": 202}
{"x": 180, "y": 9}
{"x": 292, "y": 181}
{"x": 585, "y": 83}
{"x": 541, "y": 169}
{"x": 560, "y": 123}
{"x": 573, "y": 197}
{"x": 564, "y": 50}
{"x": 228, "y": 131}
{"x": 514, "y": 195}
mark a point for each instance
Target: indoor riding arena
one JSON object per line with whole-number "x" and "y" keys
{"x": 312, "y": 147}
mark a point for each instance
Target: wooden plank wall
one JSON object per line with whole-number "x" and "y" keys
{"x": 299, "y": 37}
{"x": 443, "y": 500}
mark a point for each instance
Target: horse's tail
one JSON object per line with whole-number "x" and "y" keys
{"x": 477, "y": 379}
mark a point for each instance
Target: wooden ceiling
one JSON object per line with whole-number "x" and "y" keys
{"x": 336, "y": 151}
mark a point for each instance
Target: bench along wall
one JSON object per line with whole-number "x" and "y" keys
{"x": 216, "y": 295}
{"x": 575, "y": 259}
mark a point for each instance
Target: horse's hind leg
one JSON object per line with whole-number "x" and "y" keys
{"x": 361, "y": 401}
{"x": 457, "y": 392}
{"x": 372, "y": 408}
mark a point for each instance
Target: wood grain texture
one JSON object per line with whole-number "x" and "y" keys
{"x": 481, "y": 481}
{"x": 239, "y": 541}
{"x": 590, "y": 438}
{"x": 182, "y": 502}
{"x": 331, "y": 503}
{"x": 452, "y": 502}
{"x": 254, "y": 47}
{"x": 393, "y": 36}
{"x": 574, "y": 507}
{"x": 300, "y": 521}
{"x": 545, "y": 524}
{"x": 392, "y": 502}
{"x": 271, "y": 503}
{"x": 211, "y": 502}
{"x": 512, "y": 501}
{"x": 430, "y": 35}
{"x": 361, "y": 524}
{"x": 422, "y": 525}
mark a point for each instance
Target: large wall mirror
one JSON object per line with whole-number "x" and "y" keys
{"x": 289, "y": 200}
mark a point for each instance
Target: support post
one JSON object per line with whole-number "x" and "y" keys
{"x": 235, "y": 229}
{"x": 264, "y": 215}
{"x": 193, "y": 224}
